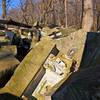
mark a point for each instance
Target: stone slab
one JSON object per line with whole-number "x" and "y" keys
{"x": 29, "y": 67}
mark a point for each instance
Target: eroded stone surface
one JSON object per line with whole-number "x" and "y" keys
{"x": 29, "y": 67}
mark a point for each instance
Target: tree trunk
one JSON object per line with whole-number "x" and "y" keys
{"x": 3, "y": 9}
{"x": 66, "y": 19}
{"x": 87, "y": 23}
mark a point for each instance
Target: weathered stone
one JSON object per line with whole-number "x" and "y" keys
{"x": 49, "y": 31}
{"x": 57, "y": 71}
{"x": 73, "y": 45}
{"x": 10, "y": 49}
{"x": 85, "y": 83}
{"x": 28, "y": 68}
{"x": 8, "y": 63}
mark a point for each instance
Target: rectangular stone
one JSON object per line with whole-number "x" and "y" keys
{"x": 22, "y": 78}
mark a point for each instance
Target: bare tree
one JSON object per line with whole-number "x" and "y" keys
{"x": 47, "y": 8}
{"x": 27, "y": 10}
{"x": 56, "y": 12}
{"x": 4, "y": 9}
{"x": 66, "y": 15}
{"x": 5, "y": 5}
{"x": 87, "y": 23}
{"x": 23, "y": 6}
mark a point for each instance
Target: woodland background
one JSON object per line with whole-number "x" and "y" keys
{"x": 63, "y": 13}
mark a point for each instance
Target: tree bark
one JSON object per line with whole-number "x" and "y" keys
{"x": 66, "y": 19}
{"x": 87, "y": 23}
{"x": 3, "y": 9}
